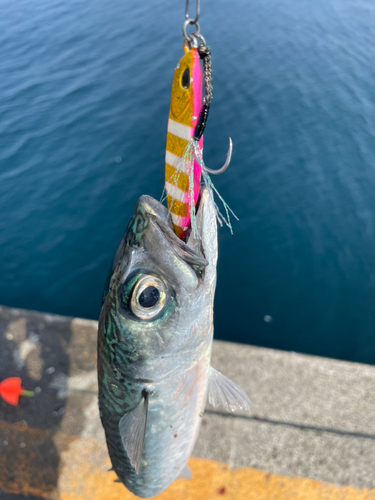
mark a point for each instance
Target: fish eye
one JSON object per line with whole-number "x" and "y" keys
{"x": 148, "y": 297}
{"x": 185, "y": 79}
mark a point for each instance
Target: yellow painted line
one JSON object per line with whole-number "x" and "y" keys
{"x": 214, "y": 481}
{"x": 177, "y": 177}
{"x": 177, "y": 207}
{"x": 176, "y": 145}
{"x": 63, "y": 467}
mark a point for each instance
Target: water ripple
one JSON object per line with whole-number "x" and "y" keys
{"x": 85, "y": 83}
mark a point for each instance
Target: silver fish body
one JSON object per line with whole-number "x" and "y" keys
{"x": 154, "y": 360}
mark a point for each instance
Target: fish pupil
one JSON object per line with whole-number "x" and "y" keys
{"x": 149, "y": 297}
{"x": 185, "y": 80}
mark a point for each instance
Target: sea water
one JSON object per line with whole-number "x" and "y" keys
{"x": 84, "y": 101}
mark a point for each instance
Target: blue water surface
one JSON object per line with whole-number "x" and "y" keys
{"x": 84, "y": 100}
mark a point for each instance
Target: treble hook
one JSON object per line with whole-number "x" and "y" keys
{"x": 193, "y": 21}
{"x": 226, "y": 164}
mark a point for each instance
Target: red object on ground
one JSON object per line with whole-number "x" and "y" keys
{"x": 11, "y": 390}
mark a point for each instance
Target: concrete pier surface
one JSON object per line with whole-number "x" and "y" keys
{"x": 310, "y": 434}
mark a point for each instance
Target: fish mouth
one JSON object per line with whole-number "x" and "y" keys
{"x": 190, "y": 252}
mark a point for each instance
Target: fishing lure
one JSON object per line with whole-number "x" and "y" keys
{"x": 180, "y": 175}
{"x": 187, "y": 121}
{"x": 156, "y": 327}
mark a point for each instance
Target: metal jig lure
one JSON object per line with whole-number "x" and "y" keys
{"x": 188, "y": 116}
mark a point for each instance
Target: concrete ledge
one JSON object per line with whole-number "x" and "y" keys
{"x": 312, "y": 417}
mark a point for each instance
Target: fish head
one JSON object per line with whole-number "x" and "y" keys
{"x": 159, "y": 301}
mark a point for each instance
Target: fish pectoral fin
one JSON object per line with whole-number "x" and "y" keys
{"x": 132, "y": 427}
{"x": 185, "y": 473}
{"x": 222, "y": 391}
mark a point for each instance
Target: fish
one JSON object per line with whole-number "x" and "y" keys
{"x": 185, "y": 110}
{"x": 154, "y": 346}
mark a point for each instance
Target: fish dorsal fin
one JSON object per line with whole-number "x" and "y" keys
{"x": 185, "y": 473}
{"x": 224, "y": 392}
{"x": 132, "y": 427}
